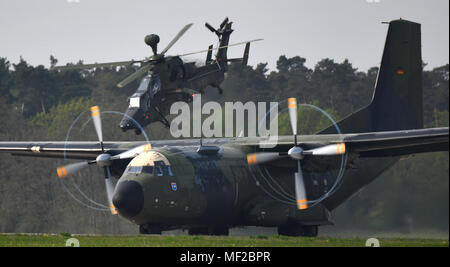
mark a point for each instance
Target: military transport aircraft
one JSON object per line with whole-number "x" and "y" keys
{"x": 208, "y": 187}
{"x": 167, "y": 79}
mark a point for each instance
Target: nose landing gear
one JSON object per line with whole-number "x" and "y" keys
{"x": 150, "y": 229}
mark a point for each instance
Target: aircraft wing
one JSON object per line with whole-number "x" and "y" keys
{"x": 378, "y": 144}
{"x": 69, "y": 150}
{"x": 88, "y": 150}
{"x": 399, "y": 143}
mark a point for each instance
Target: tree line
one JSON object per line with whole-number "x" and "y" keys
{"x": 41, "y": 104}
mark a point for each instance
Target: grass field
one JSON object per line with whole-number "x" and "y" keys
{"x": 59, "y": 240}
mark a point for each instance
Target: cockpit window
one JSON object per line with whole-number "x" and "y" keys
{"x": 135, "y": 102}
{"x": 148, "y": 169}
{"x": 151, "y": 83}
{"x": 167, "y": 171}
{"x": 155, "y": 85}
{"x": 144, "y": 84}
{"x": 134, "y": 170}
{"x": 158, "y": 171}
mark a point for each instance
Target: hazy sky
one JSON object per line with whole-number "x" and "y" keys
{"x": 114, "y": 30}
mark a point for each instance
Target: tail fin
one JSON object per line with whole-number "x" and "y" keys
{"x": 221, "y": 55}
{"x": 244, "y": 59}
{"x": 397, "y": 101}
{"x": 223, "y": 32}
{"x": 246, "y": 53}
{"x": 209, "y": 55}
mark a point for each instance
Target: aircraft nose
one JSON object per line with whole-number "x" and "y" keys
{"x": 128, "y": 198}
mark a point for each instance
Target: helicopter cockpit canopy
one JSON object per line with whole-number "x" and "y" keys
{"x": 148, "y": 88}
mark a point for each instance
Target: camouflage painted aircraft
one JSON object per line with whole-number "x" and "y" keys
{"x": 231, "y": 182}
{"x": 167, "y": 79}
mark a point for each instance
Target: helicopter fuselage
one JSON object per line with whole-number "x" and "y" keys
{"x": 168, "y": 82}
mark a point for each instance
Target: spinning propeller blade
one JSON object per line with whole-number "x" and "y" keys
{"x": 263, "y": 157}
{"x": 71, "y": 169}
{"x": 95, "y": 114}
{"x": 300, "y": 191}
{"x": 103, "y": 160}
{"x": 109, "y": 190}
{"x": 292, "y": 105}
{"x": 297, "y": 153}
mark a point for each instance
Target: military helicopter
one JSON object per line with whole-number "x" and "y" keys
{"x": 167, "y": 79}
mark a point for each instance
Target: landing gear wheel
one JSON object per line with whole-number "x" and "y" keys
{"x": 148, "y": 229}
{"x": 198, "y": 231}
{"x": 214, "y": 230}
{"x": 293, "y": 229}
{"x": 219, "y": 231}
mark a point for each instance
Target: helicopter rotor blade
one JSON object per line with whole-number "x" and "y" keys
{"x": 175, "y": 39}
{"x": 225, "y": 21}
{"x": 217, "y": 48}
{"x": 96, "y": 65}
{"x": 211, "y": 28}
{"x": 139, "y": 73}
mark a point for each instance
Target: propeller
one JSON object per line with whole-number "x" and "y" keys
{"x": 211, "y": 28}
{"x": 176, "y": 38}
{"x": 297, "y": 153}
{"x": 220, "y": 47}
{"x": 96, "y": 65}
{"x": 219, "y": 31}
{"x": 153, "y": 40}
{"x": 136, "y": 75}
{"x": 104, "y": 160}
{"x": 147, "y": 63}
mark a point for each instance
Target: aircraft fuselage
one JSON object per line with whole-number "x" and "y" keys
{"x": 182, "y": 188}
